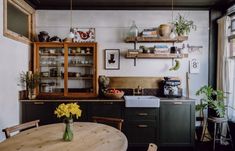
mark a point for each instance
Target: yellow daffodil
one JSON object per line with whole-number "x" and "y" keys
{"x": 68, "y": 110}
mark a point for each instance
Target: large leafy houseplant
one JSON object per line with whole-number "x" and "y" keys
{"x": 183, "y": 26}
{"x": 213, "y": 99}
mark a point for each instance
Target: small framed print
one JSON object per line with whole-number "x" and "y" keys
{"x": 232, "y": 25}
{"x": 112, "y": 59}
{"x": 194, "y": 66}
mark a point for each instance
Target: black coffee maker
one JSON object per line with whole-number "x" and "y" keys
{"x": 170, "y": 88}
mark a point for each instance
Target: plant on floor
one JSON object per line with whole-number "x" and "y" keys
{"x": 213, "y": 99}
{"x": 68, "y": 111}
{"x": 183, "y": 26}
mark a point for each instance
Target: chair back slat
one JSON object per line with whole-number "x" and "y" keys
{"x": 108, "y": 120}
{"x": 20, "y": 127}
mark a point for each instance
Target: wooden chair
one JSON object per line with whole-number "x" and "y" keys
{"x": 152, "y": 147}
{"x": 108, "y": 120}
{"x": 20, "y": 127}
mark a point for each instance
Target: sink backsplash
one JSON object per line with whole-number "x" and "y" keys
{"x": 148, "y": 85}
{"x": 154, "y": 92}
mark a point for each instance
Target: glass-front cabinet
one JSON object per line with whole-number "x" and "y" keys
{"x": 66, "y": 69}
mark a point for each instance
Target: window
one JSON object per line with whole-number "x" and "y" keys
{"x": 18, "y": 20}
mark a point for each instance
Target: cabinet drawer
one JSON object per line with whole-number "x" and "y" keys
{"x": 107, "y": 109}
{"x": 141, "y": 132}
{"x": 141, "y": 113}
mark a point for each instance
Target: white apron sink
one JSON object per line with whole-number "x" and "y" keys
{"x": 146, "y": 101}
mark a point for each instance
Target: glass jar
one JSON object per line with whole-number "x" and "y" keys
{"x": 133, "y": 31}
{"x": 68, "y": 132}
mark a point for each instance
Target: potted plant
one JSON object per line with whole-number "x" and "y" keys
{"x": 30, "y": 81}
{"x": 213, "y": 99}
{"x": 183, "y": 26}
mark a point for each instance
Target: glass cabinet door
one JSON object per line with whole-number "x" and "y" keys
{"x": 51, "y": 68}
{"x": 80, "y": 71}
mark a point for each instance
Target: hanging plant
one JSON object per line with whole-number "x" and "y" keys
{"x": 183, "y": 26}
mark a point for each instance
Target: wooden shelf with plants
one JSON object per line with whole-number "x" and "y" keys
{"x": 155, "y": 56}
{"x": 140, "y": 55}
{"x": 155, "y": 39}
{"x": 66, "y": 69}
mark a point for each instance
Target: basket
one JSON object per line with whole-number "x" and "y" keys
{"x": 114, "y": 95}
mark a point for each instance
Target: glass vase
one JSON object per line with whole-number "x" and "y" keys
{"x": 68, "y": 132}
{"x": 133, "y": 31}
{"x": 31, "y": 94}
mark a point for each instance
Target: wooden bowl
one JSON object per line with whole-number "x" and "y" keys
{"x": 114, "y": 95}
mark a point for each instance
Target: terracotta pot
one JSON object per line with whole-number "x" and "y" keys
{"x": 164, "y": 30}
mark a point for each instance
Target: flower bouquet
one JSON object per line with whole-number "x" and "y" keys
{"x": 68, "y": 111}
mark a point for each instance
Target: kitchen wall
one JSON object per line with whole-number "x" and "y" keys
{"x": 111, "y": 28}
{"x": 13, "y": 60}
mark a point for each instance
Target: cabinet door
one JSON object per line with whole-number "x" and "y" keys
{"x": 141, "y": 126}
{"x": 44, "y": 111}
{"x": 49, "y": 62}
{"x": 80, "y": 70}
{"x": 107, "y": 109}
{"x": 177, "y": 122}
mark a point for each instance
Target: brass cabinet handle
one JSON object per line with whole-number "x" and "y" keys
{"x": 178, "y": 103}
{"x": 38, "y": 103}
{"x": 142, "y": 114}
{"x": 142, "y": 126}
{"x": 108, "y": 102}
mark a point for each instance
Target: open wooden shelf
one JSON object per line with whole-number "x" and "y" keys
{"x": 155, "y": 56}
{"x": 155, "y": 39}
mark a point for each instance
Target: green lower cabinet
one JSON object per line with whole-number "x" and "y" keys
{"x": 177, "y": 123}
{"x": 106, "y": 109}
{"x": 141, "y": 126}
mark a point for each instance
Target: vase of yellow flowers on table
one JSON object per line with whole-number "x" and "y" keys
{"x": 68, "y": 111}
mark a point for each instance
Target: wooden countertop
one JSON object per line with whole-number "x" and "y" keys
{"x": 76, "y": 100}
{"x": 162, "y": 99}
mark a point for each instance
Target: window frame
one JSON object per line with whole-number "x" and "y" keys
{"x": 28, "y": 10}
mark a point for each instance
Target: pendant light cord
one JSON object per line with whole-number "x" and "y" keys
{"x": 172, "y": 9}
{"x": 71, "y": 15}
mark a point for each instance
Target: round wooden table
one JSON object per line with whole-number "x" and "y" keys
{"x": 87, "y": 137}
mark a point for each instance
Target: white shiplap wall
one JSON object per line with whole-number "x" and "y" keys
{"x": 111, "y": 28}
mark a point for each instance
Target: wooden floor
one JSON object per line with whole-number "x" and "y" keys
{"x": 198, "y": 147}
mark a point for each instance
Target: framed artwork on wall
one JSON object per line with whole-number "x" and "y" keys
{"x": 112, "y": 59}
{"x": 84, "y": 34}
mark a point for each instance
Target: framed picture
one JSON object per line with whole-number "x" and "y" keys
{"x": 112, "y": 59}
{"x": 84, "y": 34}
{"x": 232, "y": 25}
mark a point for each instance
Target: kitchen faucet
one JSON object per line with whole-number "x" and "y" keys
{"x": 138, "y": 91}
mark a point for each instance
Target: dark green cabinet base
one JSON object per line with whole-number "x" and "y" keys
{"x": 170, "y": 125}
{"x": 177, "y": 123}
